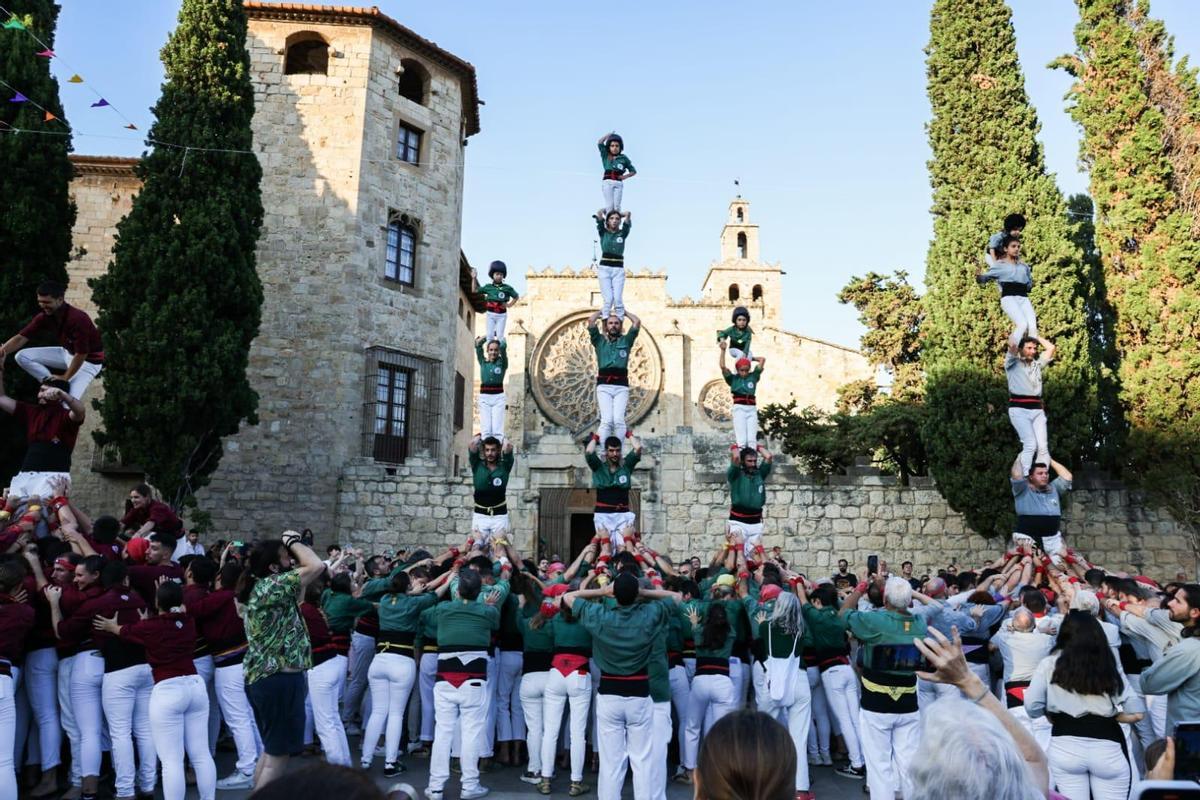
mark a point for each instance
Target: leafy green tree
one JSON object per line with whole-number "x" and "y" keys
{"x": 892, "y": 312}
{"x": 987, "y": 163}
{"x": 1137, "y": 115}
{"x": 35, "y": 176}
{"x": 181, "y": 301}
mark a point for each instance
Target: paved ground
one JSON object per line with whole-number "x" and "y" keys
{"x": 505, "y": 782}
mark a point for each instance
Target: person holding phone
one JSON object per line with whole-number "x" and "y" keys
{"x": 889, "y": 721}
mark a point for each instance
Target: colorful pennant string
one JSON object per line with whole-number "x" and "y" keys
{"x": 47, "y": 53}
{"x": 19, "y": 98}
{"x": 74, "y": 79}
{"x": 100, "y": 103}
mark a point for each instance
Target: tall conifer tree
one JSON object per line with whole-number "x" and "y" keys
{"x": 987, "y": 163}
{"x": 1138, "y": 155}
{"x": 35, "y": 175}
{"x": 181, "y": 301}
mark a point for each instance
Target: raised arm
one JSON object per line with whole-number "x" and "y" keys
{"x": 1060, "y": 470}
{"x": 311, "y": 566}
{"x": 1016, "y": 473}
{"x": 723, "y": 344}
{"x": 633, "y": 319}
{"x": 1048, "y": 350}
{"x": 595, "y": 317}
{"x": 7, "y": 404}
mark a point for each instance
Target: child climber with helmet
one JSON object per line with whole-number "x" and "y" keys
{"x": 497, "y": 296}
{"x": 738, "y": 334}
{"x": 617, "y": 169}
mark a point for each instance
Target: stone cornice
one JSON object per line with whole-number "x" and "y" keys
{"x": 109, "y": 166}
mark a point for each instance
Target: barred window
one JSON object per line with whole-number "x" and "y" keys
{"x": 402, "y": 406}
{"x": 401, "y": 250}
{"x": 408, "y": 144}
{"x": 460, "y": 401}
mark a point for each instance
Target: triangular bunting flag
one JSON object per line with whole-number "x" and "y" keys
{"x": 19, "y": 98}
{"x": 47, "y": 53}
{"x": 49, "y": 117}
{"x": 99, "y": 103}
{"x": 15, "y": 24}
{"x": 74, "y": 79}
{"x": 131, "y": 127}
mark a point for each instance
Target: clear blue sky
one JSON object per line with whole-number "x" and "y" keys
{"x": 819, "y": 109}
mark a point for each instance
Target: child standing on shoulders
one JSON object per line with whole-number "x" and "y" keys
{"x": 1014, "y": 225}
{"x": 738, "y": 334}
{"x": 743, "y": 383}
{"x": 1016, "y": 279}
{"x": 498, "y": 296}
{"x": 612, "y": 261}
{"x": 617, "y": 169}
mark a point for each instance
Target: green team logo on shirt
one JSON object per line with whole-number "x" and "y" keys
{"x": 497, "y": 481}
{"x": 749, "y": 384}
{"x": 624, "y": 354}
{"x": 497, "y": 370}
{"x": 620, "y": 238}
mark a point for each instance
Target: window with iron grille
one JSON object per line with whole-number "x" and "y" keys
{"x": 402, "y": 406}
{"x": 408, "y": 144}
{"x": 401, "y": 250}
{"x": 460, "y": 401}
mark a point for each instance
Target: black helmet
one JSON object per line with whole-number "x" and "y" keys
{"x": 740, "y": 311}
{"x": 497, "y": 266}
{"x": 612, "y": 137}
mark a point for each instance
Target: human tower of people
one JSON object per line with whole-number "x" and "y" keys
{"x": 127, "y": 647}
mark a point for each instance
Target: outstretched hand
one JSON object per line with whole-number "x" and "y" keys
{"x": 946, "y": 656}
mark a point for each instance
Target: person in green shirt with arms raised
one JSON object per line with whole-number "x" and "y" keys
{"x": 743, "y": 383}
{"x": 612, "y": 479}
{"x": 497, "y": 296}
{"x": 747, "y": 496}
{"x": 489, "y": 475}
{"x": 617, "y": 169}
{"x": 738, "y": 335}
{"x": 492, "y": 355}
{"x": 611, "y": 269}
{"x": 613, "y": 348}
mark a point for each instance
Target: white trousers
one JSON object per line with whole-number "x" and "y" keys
{"x": 362, "y": 650}
{"x": 178, "y": 717}
{"x": 626, "y": 730}
{"x": 325, "y": 683}
{"x": 818, "y": 736}
{"x": 1084, "y": 768}
{"x": 36, "y": 484}
{"x": 510, "y": 720}
{"x": 613, "y": 525}
{"x": 41, "y": 685}
{"x": 612, "y": 401}
{"x": 681, "y": 690}
{"x": 8, "y": 722}
{"x": 1038, "y": 728}
{"x": 487, "y": 748}
{"x": 425, "y": 681}
{"x": 87, "y": 680}
{"x": 751, "y": 533}
{"x": 1020, "y": 311}
{"x": 205, "y": 669}
{"x": 660, "y": 739}
{"x": 716, "y": 691}
{"x": 745, "y": 425}
{"x": 612, "y": 291}
{"x": 532, "y": 693}
{"x": 67, "y": 715}
{"x": 230, "y": 686}
{"x": 796, "y": 713}
{"x": 841, "y": 692}
{"x": 392, "y": 677}
{"x": 612, "y": 194}
{"x": 1030, "y": 425}
{"x": 462, "y": 707}
{"x": 40, "y": 362}
{"x": 126, "y": 697}
{"x": 495, "y": 324}
{"x": 1051, "y": 545}
{"x": 574, "y": 689}
{"x": 491, "y": 415}
{"x": 889, "y": 742}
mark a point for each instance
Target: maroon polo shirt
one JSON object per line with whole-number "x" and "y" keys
{"x": 194, "y": 595}
{"x": 169, "y": 640}
{"x": 16, "y": 620}
{"x": 50, "y": 436}
{"x": 144, "y": 578}
{"x": 75, "y": 637}
{"x": 112, "y": 551}
{"x": 165, "y": 520}
{"x": 41, "y": 635}
{"x": 217, "y": 620}
{"x": 74, "y": 329}
{"x": 121, "y": 602}
{"x": 319, "y": 635}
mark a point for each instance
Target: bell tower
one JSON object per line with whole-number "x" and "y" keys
{"x": 740, "y": 278}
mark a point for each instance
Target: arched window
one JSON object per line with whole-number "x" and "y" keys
{"x": 734, "y": 294}
{"x": 741, "y": 240}
{"x": 756, "y": 293}
{"x": 413, "y": 81}
{"x": 401, "y": 250}
{"x": 307, "y": 54}
{"x": 741, "y": 215}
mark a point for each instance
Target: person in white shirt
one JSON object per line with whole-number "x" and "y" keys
{"x": 1022, "y": 647}
{"x": 190, "y": 546}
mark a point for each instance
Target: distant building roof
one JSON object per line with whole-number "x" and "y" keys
{"x": 117, "y": 166}
{"x": 352, "y": 15}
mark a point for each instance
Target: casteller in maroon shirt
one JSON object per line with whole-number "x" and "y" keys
{"x": 218, "y": 622}
{"x": 169, "y": 640}
{"x": 165, "y": 520}
{"x": 144, "y": 578}
{"x": 74, "y": 329}
{"x": 50, "y": 435}
{"x": 15, "y": 621}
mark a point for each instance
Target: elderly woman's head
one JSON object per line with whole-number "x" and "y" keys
{"x": 978, "y": 760}
{"x": 746, "y": 756}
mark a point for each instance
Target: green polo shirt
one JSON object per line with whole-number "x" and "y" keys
{"x": 569, "y": 634}
{"x": 605, "y": 478}
{"x": 466, "y": 625}
{"x": 739, "y": 338}
{"x": 733, "y": 609}
{"x": 827, "y": 627}
{"x": 884, "y": 627}
{"x": 612, "y": 353}
{"x": 427, "y": 627}
{"x": 402, "y": 612}
{"x": 612, "y": 243}
{"x": 743, "y": 387}
{"x": 498, "y": 292}
{"x": 490, "y": 483}
{"x": 341, "y": 610}
{"x": 622, "y": 637}
{"x": 536, "y": 640}
{"x": 748, "y": 491}
{"x": 658, "y": 667}
{"x": 491, "y": 373}
{"x": 618, "y": 163}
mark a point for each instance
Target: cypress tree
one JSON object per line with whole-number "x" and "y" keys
{"x": 987, "y": 163}
{"x": 1138, "y": 156}
{"x": 181, "y": 301}
{"x": 35, "y": 175}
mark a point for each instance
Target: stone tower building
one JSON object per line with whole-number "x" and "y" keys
{"x": 364, "y": 358}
